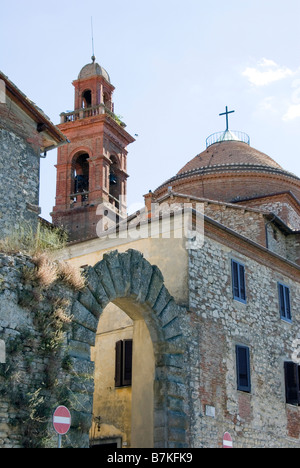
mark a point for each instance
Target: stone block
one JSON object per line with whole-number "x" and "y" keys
{"x": 95, "y": 286}
{"x": 80, "y": 367}
{"x": 156, "y": 284}
{"x": 162, "y": 300}
{"x": 103, "y": 272}
{"x": 143, "y": 282}
{"x": 87, "y": 299}
{"x": 83, "y": 316}
{"x": 116, "y": 272}
{"x": 80, "y": 333}
{"x": 79, "y": 350}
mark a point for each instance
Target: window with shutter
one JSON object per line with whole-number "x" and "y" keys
{"x": 238, "y": 281}
{"x": 123, "y": 364}
{"x": 118, "y": 364}
{"x": 243, "y": 368}
{"x": 284, "y": 302}
{"x": 127, "y": 362}
{"x": 292, "y": 390}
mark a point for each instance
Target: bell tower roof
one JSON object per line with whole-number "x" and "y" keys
{"x": 93, "y": 69}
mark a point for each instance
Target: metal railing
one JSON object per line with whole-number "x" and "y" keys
{"x": 227, "y": 135}
{"x": 79, "y": 199}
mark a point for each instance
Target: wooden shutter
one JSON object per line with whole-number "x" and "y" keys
{"x": 127, "y": 362}
{"x": 243, "y": 368}
{"x": 284, "y": 301}
{"x": 281, "y": 300}
{"x": 287, "y": 302}
{"x": 118, "y": 364}
{"x": 238, "y": 281}
{"x": 235, "y": 279}
{"x": 242, "y": 282}
{"x": 291, "y": 372}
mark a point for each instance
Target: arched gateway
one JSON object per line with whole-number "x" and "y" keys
{"x": 133, "y": 284}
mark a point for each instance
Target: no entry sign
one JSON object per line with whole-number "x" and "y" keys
{"x": 61, "y": 420}
{"x": 227, "y": 440}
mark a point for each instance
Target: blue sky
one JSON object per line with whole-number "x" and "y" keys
{"x": 175, "y": 66}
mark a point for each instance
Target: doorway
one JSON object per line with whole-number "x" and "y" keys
{"x": 123, "y": 379}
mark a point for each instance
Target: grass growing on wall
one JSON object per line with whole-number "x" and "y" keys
{"x": 47, "y": 238}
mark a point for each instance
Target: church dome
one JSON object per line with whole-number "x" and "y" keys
{"x": 93, "y": 69}
{"x": 229, "y": 153}
{"x": 230, "y": 171}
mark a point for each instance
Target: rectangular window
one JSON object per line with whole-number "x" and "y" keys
{"x": 284, "y": 302}
{"x": 123, "y": 365}
{"x": 292, "y": 381}
{"x": 238, "y": 281}
{"x": 243, "y": 368}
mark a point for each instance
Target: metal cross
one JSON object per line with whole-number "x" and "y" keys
{"x": 227, "y": 113}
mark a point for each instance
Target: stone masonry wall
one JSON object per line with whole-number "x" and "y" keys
{"x": 19, "y": 168}
{"x": 217, "y": 324}
{"x": 33, "y": 376}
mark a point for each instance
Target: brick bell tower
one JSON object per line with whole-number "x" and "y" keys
{"x": 91, "y": 169}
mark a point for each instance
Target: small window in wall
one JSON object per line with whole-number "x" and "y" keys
{"x": 284, "y": 302}
{"x": 292, "y": 383}
{"x": 123, "y": 370}
{"x": 238, "y": 281}
{"x": 243, "y": 368}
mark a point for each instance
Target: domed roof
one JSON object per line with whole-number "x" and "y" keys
{"x": 93, "y": 69}
{"x": 229, "y": 153}
{"x": 231, "y": 170}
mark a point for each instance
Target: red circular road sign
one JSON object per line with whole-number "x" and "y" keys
{"x": 61, "y": 420}
{"x": 227, "y": 440}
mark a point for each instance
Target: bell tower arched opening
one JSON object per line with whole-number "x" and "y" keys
{"x": 87, "y": 99}
{"x": 80, "y": 175}
{"x": 114, "y": 181}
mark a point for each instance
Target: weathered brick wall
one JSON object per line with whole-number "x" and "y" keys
{"x": 19, "y": 169}
{"x": 217, "y": 323}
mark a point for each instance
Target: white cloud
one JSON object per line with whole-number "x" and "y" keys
{"x": 267, "y": 71}
{"x": 293, "y": 108}
{"x": 292, "y": 113}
